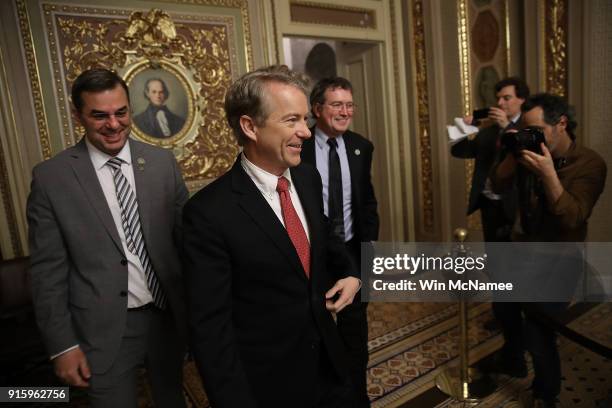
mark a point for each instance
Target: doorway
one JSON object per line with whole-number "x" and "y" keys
{"x": 360, "y": 63}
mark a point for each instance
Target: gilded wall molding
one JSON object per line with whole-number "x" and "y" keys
{"x": 482, "y": 50}
{"x": 200, "y": 55}
{"x": 507, "y": 36}
{"x": 34, "y": 77}
{"x": 465, "y": 70}
{"x": 275, "y": 28}
{"x": 427, "y": 201}
{"x": 243, "y": 6}
{"x": 555, "y": 49}
{"x": 463, "y": 37}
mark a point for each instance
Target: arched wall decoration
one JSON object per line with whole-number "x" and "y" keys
{"x": 200, "y": 53}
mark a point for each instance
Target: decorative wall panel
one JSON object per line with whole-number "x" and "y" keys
{"x": 555, "y": 47}
{"x": 484, "y": 57}
{"x": 194, "y": 55}
{"x": 424, "y": 138}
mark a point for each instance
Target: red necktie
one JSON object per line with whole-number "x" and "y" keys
{"x": 294, "y": 226}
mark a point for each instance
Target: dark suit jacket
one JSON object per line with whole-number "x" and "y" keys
{"x": 147, "y": 122}
{"x": 363, "y": 201}
{"x": 257, "y": 324}
{"x": 78, "y": 269}
{"x": 483, "y": 148}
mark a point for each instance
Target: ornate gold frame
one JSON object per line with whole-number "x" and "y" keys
{"x": 135, "y": 48}
{"x": 189, "y": 84}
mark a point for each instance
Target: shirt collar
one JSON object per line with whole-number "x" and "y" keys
{"x": 99, "y": 158}
{"x": 515, "y": 118}
{"x": 265, "y": 180}
{"x": 321, "y": 138}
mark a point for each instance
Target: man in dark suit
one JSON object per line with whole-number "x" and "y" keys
{"x": 497, "y": 211}
{"x": 106, "y": 277}
{"x": 157, "y": 120}
{"x": 256, "y": 249}
{"x": 344, "y": 160}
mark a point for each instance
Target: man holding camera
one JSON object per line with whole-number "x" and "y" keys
{"x": 497, "y": 211}
{"x": 559, "y": 183}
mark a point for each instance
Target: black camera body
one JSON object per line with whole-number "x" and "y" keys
{"x": 529, "y": 138}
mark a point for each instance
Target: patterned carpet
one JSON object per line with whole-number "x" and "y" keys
{"x": 586, "y": 376}
{"x": 408, "y": 367}
{"x": 410, "y": 343}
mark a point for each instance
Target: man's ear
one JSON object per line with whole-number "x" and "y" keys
{"x": 249, "y": 128}
{"x": 317, "y": 110}
{"x": 76, "y": 115}
{"x": 562, "y": 122}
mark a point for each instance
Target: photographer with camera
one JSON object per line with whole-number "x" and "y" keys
{"x": 497, "y": 211}
{"x": 558, "y": 184}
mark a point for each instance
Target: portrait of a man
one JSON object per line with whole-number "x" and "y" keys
{"x": 157, "y": 119}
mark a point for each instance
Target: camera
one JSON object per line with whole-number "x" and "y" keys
{"x": 480, "y": 113}
{"x": 528, "y": 138}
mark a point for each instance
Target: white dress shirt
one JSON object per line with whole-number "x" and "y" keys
{"x": 322, "y": 162}
{"x": 266, "y": 183}
{"x": 138, "y": 291}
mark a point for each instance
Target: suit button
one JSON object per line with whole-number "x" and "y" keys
{"x": 124, "y": 262}
{"x": 123, "y": 293}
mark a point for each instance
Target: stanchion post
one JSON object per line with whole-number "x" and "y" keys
{"x": 464, "y": 383}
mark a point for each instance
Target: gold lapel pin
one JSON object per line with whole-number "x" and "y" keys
{"x": 141, "y": 162}
{"x": 357, "y": 152}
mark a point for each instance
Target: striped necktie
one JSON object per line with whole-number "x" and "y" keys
{"x": 133, "y": 232}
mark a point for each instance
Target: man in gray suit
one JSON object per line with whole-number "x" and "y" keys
{"x": 106, "y": 278}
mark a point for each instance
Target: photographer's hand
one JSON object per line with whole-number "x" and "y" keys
{"x": 542, "y": 165}
{"x": 498, "y": 116}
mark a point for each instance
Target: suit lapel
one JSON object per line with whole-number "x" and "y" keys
{"x": 255, "y": 205}
{"x": 88, "y": 180}
{"x": 142, "y": 169}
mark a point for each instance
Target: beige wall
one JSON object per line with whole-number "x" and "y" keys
{"x": 596, "y": 121}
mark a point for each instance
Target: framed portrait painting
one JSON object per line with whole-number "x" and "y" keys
{"x": 162, "y": 95}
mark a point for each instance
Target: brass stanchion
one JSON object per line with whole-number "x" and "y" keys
{"x": 464, "y": 383}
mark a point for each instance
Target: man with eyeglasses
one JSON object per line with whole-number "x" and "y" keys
{"x": 344, "y": 161}
{"x": 106, "y": 277}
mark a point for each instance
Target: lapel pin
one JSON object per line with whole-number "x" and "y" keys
{"x": 141, "y": 162}
{"x": 357, "y": 152}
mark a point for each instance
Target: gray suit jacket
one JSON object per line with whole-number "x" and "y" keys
{"x": 78, "y": 268}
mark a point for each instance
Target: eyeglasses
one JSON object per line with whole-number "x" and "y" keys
{"x": 337, "y": 106}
